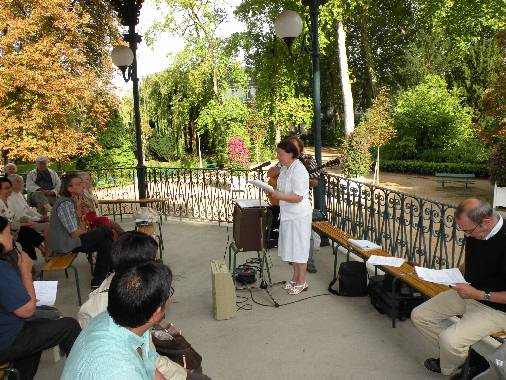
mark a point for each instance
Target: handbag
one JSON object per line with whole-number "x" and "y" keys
{"x": 352, "y": 277}
{"x": 169, "y": 342}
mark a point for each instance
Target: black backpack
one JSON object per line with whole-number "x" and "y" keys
{"x": 352, "y": 277}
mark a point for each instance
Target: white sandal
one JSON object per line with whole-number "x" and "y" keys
{"x": 297, "y": 289}
{"x": 288, "y": 285}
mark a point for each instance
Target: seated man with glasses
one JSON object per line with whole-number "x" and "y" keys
{"x": 481, "y": 303}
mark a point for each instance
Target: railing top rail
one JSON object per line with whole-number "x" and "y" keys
{"x": 448, "y": 205}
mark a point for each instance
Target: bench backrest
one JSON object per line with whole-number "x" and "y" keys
{"x": 455, "y": 175}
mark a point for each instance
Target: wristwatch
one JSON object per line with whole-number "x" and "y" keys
{"x": 487, "y": 296}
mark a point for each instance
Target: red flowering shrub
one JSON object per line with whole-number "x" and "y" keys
{"x": 238, "y": 153}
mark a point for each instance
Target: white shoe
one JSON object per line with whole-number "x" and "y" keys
{"x": 288, "y": 285}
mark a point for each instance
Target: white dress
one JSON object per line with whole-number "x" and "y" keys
{"x": 295, "y": 218}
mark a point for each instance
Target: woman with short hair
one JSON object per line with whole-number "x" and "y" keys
{"x": 295, "y": 214}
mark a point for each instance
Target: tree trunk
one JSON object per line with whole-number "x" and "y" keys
{"x": 367, "y": 56}
{"x": 278, "y": 134}
{"x": 349, "y": 114}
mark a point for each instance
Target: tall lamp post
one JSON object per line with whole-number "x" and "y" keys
{"x": 288, "y": 26}
{"x": 126, "y": 59}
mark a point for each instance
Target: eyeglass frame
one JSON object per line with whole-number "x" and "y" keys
{"x": 469, "y": 231}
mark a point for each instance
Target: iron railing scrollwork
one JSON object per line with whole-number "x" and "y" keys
{"x": 415, "y": 228}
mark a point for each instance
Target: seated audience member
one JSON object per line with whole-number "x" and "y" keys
{"x": 21, "y": 340}
{"x": 115, "y": 344}
{"x": 27, "y": 236}
{"x": 42, "y": 186}
{"x": 130, "y": 249}
{"x": 68, "y": 233}
{"x": 17, "y": 203}
{"x": 10, "y": 169}
{"x": 89, "y": 207}
{"x": 481, "y": 303}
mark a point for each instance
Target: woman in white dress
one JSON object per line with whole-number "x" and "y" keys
{"x": 295, "y": 214}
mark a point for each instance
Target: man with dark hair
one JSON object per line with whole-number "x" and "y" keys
{"x": 130, "y": 249}
{"x": 115, "y": 345}
{"x": 481, "y": 302}
{"x": 68, "y": 233}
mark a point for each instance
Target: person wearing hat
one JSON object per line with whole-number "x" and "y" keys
{"x": 42, "y": 186}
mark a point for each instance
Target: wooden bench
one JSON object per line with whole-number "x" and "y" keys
{"x": 405, "y": 272}
{"x": 455, "y": 177}
{"x": 63, "y": 262}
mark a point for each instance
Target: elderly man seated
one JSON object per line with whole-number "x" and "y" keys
{"x": 68, "y": 231}
{"x": 481, "y": 303}
{"x": 42, "y": 186}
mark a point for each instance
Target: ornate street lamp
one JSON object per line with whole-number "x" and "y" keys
{"x": 288, "y": 26}
{"x": 126, "y": 59}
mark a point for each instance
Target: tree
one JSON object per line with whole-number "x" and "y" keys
{"x": 433, "y": 116}
{"x": 257, "y": 127}
{"x": 221, "y": 121}
{"x": 378, "y": 125}
{"x": 115, "y": 146}
{"x": 55, "y": 77}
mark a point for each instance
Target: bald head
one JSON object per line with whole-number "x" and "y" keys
{"x": 474, "y": 209}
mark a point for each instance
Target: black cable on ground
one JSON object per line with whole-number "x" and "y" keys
{"x": 279, "y": 304}
{"x": 242, "y": 303}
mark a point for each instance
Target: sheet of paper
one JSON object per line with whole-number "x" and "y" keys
{"x": 364, "y": 244}
{"x": 45, "y": 292}
{"x": 443, "y": 276}
{"x": 261, "y": 184}
{"x": 385, "y": 260}
{"x": 246, "y": 203}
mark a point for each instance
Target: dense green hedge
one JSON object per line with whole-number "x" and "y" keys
{"x": 431, "y": 168}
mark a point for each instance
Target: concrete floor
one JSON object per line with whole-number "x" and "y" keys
{"x": 326, "y": 338}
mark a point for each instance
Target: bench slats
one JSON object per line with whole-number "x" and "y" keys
{"x": 405, "y": 272}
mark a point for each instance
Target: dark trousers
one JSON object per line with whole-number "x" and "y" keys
{"x": 274, "y": 232}
{"x": 35, "y": 337}
{"x": 29, "y": 239}
{"x": 98, "y": 240}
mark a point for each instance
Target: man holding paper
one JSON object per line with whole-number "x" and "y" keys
{"x": 481, "y": 302}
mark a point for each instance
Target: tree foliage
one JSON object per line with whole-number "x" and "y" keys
{"x": 432, "y": 116}
{"x": 55, "y": 76}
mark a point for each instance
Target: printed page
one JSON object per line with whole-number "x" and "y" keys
{"x": 364, "y": 244}
{"x": 385, "y": 260}
{"x": 261, "y": 184}
{"x": 444, "y": 276}
{"x": 45, "y": 292}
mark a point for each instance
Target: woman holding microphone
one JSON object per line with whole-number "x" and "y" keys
{"x": 295, "y": 214}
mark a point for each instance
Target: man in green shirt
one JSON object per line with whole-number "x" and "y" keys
{"x": 115, "y": 344}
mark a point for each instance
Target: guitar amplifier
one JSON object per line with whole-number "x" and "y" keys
{"x": 249, "y": 226}
{"x": 224, "y": 306}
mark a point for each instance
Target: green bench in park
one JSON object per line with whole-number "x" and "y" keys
{"x": 455, "y": 177}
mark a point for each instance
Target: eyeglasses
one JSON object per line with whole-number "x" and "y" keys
{"x": 171, "y": 292}
{"x": 469, "y": 231}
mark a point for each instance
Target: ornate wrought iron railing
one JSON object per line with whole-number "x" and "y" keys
{"x": 419, "y": 229}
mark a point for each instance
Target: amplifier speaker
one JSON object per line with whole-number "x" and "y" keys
{"x": 224, "y": 306}
{"x": 249, "y": 222}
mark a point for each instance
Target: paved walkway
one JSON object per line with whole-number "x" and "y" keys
{"x": 325, "y": 338}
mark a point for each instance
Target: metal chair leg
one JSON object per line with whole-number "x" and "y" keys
{"x": 78, "y": 289}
